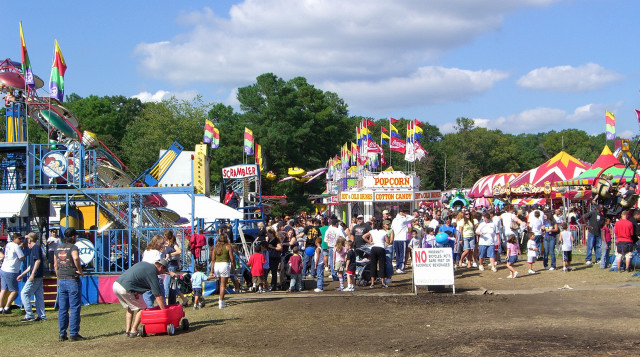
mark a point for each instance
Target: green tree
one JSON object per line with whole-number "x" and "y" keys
{"x": 107, "y": 117}
{"x": 158, "y": 126}
{"x": 297, "y": 125}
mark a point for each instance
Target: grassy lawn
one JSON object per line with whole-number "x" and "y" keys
{"x": 97, "y": 321}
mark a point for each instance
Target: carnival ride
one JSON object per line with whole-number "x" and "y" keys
{"x": 564, "y": 178}
{"x": 456, "y": 200}
{"x": 77, "y": 173}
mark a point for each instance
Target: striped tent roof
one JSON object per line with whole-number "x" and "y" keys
{"x": 484, "y": 186}
{"x": 606, "y": 164}
{"x": 559, "y": 168}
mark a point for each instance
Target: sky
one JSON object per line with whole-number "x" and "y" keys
{"x": 521, "y": 66}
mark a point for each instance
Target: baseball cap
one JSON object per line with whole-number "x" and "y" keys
{"x": 386, "y": 211}
{"x": 360, "y": 216}
{"x": 163, "y": 262}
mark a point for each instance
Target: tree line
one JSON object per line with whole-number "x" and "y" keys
{"x": 300, "y": 125}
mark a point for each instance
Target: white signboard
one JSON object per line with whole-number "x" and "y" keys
{"x": 239, "y": 171}
{"x": 392, "y": 196}
{"x": 362, "y": 196}
{"x": 433, "y": 266}
{"x": 86, "y": 250}
{"x": 397, "y": 180}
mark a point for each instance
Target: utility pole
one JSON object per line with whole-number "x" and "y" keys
{"x": 444, "y": 182}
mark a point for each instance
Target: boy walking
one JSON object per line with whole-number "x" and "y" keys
{"x": 566, "y": 239}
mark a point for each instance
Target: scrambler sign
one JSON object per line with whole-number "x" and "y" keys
{"x": 239, "y": 171}
{"x": 432, "y": 266}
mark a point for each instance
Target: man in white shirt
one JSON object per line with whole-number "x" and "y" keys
{"x": 331, "y": 237}
{"x": 535, "y": 223}
{"x": 400, "y": 228}
{"x": 486, "y": 232}
{"x": 10, "y": 270}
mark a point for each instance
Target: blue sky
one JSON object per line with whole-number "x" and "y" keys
{"x": 515, "y": 65}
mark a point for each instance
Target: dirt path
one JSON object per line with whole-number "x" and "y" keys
{"x": 525, "y": 316}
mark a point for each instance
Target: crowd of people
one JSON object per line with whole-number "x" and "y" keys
{"x": 479, "y": 238}
{"x": 324, "y": 247}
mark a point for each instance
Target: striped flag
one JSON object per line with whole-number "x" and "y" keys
{"x": 208, "y": 132}
{"x": 56, "y": 82}
{"x": 215, "y": 142}
{"x": 248, "y": 141}
{"x": 259, "y": 156}
{"x": 610, "y": 125}
{"x": 27, "y": 72}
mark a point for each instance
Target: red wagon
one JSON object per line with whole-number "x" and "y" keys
{"x": 156, "y": 320}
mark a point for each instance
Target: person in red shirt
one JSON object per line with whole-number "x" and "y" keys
{"x": 623, "y": 231}
{"x": 256, "y": 262}
{"x": 296, "y": 270}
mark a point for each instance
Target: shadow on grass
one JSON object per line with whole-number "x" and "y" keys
{"x": 197, "y": 325}
{"x": 251, "y": 301}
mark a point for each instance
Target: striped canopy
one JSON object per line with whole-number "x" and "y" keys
{"x": 606, "y": 164}
{"x": 559, "y": 168}
{"x": 484, "y": 186}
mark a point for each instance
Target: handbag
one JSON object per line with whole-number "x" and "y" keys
{"x": 514, "y": 225}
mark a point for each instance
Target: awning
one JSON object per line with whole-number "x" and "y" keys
{"x": 13, "y": 204}
{"x": 205, "y": 207}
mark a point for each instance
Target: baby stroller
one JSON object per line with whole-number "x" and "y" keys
{"x": 182, "y": 284}
{"x": 363, "y": 270}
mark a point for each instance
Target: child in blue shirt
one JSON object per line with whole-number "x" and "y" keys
{"x": 196, "y": 284}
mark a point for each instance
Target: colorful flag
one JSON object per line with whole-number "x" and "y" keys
{"x": 416, "y": 122}
{"x": 215, "y": 142}
{"x": 393, "y": 128}
{"x": 384, "y": 136}
{"x": 248, "y": 141}
{"x": 420, "y": 152}
{"x": 56, "y": 82}
{"x": 372, "y": 147}
{"x": 27, "y": 72}
{"x": 367, "y": 122}
{"x": 410, "y": 152}
{"x": 392, "y": 120}
{"x": 383, "y": 142}
{"x": 208, "y": 132}
{"x": 385, "y": 129}
{"x": 259, "y": 156}
{"x": 610, "y": 125}
{"x": 638, "y": 114}
{"x": 397, "y": 144}
{"x": 354, "y": 153}
{"x": 345, "y": 156}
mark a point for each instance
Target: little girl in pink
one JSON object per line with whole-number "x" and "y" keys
{"x": 513, "y": 249}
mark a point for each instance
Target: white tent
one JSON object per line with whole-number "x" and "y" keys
{"x": 205, "y": 207}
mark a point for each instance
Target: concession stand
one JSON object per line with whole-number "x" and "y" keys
{"x": 369, "y": 193}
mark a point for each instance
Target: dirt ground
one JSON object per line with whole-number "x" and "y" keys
{"x": 585, "y": 312}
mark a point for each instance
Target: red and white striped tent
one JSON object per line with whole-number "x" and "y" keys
{"x": 484, "y": 186}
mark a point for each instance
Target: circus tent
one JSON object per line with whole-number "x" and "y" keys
{"x": 484, "y": 186}
{"x": 540, "y": 180}
{"x": 606, "y": 164}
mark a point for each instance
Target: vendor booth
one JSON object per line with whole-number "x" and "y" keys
{"x": 369, "y": 193}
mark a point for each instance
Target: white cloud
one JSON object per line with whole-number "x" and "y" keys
{"x": 428, "y": 85}
{"x": 162, "y": 95}
{"x": 540, "y": 119}
{"x": 627, "y": 134}
{"x": 584, "y": 78}
{"x": 342, "y": 44}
